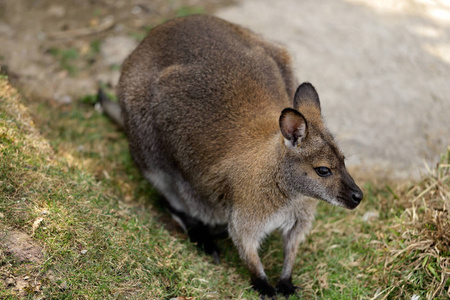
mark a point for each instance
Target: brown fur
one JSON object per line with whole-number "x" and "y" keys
{"x": 202, "y": 102}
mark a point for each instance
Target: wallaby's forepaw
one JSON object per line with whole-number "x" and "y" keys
{"x": 216, "y": 257}
{"x": 263, "y": 287}
{"x": 286, "y": 287}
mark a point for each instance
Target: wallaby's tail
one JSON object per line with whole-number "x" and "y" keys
{"x": 110, "y": 108}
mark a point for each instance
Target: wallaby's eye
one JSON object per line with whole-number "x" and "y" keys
{"x": 323, "y": 171}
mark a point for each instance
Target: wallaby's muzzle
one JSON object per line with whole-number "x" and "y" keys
{"x": 355, "y": 198}
{"x": 352, "y": 195}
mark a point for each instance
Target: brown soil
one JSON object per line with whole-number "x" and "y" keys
{"x": 21, "y": 249}
{"x": 19, "y": 245}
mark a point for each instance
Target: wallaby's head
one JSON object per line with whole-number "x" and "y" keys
{"x": 311, "y": 162}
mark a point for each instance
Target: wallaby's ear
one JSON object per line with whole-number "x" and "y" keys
{"x": 293, "y": 126}
{"x": 306, "y": 94}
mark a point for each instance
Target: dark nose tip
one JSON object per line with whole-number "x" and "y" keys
{"x": 357, "y": 196}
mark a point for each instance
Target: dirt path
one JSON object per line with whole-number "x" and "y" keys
{"x": 382, "y": 69}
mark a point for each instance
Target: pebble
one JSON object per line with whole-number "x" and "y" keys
{"x": 57, "y": 11}
{"x": 10, "y": 281}
{"x": 115, "y": 49}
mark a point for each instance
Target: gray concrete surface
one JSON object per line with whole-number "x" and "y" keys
{"x": 382, "y": 70}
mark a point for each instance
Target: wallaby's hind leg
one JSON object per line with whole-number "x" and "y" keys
{"x": 199, "y": 233}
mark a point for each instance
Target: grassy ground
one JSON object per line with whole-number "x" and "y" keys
{"x": 78, "y": 221}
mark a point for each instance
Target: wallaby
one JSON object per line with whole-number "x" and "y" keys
{"x": 216, "y": 124}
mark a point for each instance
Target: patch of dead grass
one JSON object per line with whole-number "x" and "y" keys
{"x": 420, "y": 255}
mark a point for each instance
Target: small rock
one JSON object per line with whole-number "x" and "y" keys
{"x": 63, "y": 285}
{"x": 2, "y": 216}
{"x": 57, "y": 11}
{"x": 371, "y": 215}
{"x": 83, "y": 252}
{"x": 66, "y": 99}
{"x": 109, "y": 78}
{"x": 136, "y": 10}
{"x": 115, "y": 49}
{"x": 10, "y": 281}
{"x": 41, "y": 36}
{"x": 51, "y": 276}
{"x": 98, "y": 107}
{"x": 63, "y": 99}
{"x": 6, "y": 30}
{"x": 26, "y": 278}
{"x": 119, "y": 27}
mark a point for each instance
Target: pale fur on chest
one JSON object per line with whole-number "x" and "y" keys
{"x": 299, "y": 212}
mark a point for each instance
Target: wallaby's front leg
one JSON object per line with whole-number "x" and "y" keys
{"x": 248, "y": 245}
{"x": 291, "y": 240}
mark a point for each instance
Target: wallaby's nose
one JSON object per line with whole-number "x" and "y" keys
{"x": 357, "y": 196}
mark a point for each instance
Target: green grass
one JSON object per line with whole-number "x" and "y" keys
{"x": 66, "y": 58}
{"x": 106, "y": 236}
{"x": 189, "y": 10}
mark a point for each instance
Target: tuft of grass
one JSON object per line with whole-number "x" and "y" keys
{"x": 189, "y": 10}
{"x": 66, "y": 58}
{"x": 95, "y": 46}
{"x": 416, "y": 245}
{"x": 138, "y": 36}
{"x": 89, "y": 99}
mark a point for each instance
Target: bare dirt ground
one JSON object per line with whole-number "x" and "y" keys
{"x": 59, "y": 50}
{"x": 23, "y": 249}
{"x": 382, "y": 69}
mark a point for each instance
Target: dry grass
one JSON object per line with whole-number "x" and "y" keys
{"x": 421, "y": 254}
